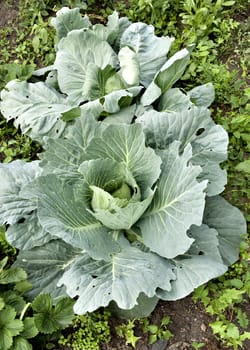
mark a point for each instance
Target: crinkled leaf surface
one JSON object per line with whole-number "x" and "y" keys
{"x": 149, "y": 50}
{"x": 45, "y": 265}
{"x": 14, "y": 177}
{"x": 63, "y": 212}
{"x": 200, "y": 264}
{"x": 35, "y": 107}
{"x": 129, "y": 273}
{"x": 63, "y": 156}
{"x": 165, "y": 78}
{"x": 209, "y": 141}
{"x": 230, "y": 224}
{"x": 177, "y": 204}
{"x": 69, "y": 19}
{"x": 75, "y": 52}
{"x": 126, "y": 144}
{"x": 27, "y": 234}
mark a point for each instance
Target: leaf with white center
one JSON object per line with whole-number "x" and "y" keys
{"x": 75, "y": 52}
{"x": 209, "y": 141}
{"x": 169, "y": 73}
{"x": 27, "y": 234}
{"x": 174, "y": 100}
{"x": 13, "y": 177}
{"x": 199, "y": 265}
{"x": 230, "y": 224}
{"x": 35, "y": 107}
{"x": 63, "y": 156}
{"x": 202, "y": 95}
{"x": 63, "y": 212}
{"x": 178, "y": 203}
{"x": 45, "y": 265}
{"x": 150, "y": 50}
{"x": 69, "y": 19}
{"x": 122, "y": 279}
{"x": 126, "y": 144}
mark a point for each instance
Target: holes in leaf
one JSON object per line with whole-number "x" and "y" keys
{"x": 21, "y": 221}
{"x": 199, "y": 131}
{"x": 27, "y": 96}
{"x": 201, "y": 252}
{"x": 94, "y": 276}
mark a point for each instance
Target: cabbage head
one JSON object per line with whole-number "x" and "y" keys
{"x": 123, "y": 208}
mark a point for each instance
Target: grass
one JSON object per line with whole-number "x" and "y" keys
{"x": 221, "y": 32}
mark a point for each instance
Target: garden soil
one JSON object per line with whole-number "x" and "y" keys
{"x": 189, "y": 321}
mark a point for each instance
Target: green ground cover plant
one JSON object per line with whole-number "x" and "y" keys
{"x": 231, "y": 107}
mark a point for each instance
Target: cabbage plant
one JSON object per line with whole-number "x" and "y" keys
{"x": 123, "y": 208}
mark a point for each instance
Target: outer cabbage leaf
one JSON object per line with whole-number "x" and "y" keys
{"x": 75, "y": 52}
{"x": 230, "y": 224}
{"x": 63, "y": 212}
{"x": 14, "y": 176}
{"x": 45, "y": 265}
{"x": 165, "y": 78}
{"x": 67, "y": 20}
{"x": 35, "y": 107}
{"x": 174, "y": 100}
{"x": 209, "y": 141}
{"x": 122, "y": 279}
{"x": 199, "y": 265}
{"x": 126, "y": 144}
{"x": 202, "y": 95}
{"x": 27, "y": 234}
{"x": 178, "y": 203}
{"x": 149, "y": 50}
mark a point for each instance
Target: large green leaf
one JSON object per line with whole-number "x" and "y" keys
{"x": 28, "y": 233}
{"x": 174, "y": 100}
{"x": 63, "y": 156}
{"x": 75, "y": 52}
{"x": 143, "y": 52}
{"x": 199, "y": 265}
{"x": 14, "y": 177}
{"x": 63, "y": 212}
{"x": 126, "y": 144}
{"x": 69, "y": 19}
{"x": 35, "y": 107}
{"x": 165, "y": 78}
{"x": 209, "y": 141}
{"x": 45, "y": 265}
{"x": 178, "y": 203}
{"x": 230, "y": 224}
{"x": 128, "y": 274}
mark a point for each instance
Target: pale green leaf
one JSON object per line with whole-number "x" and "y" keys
{"x": 150, "y": 51}
{"x": 30, "y": 329}
{"x": 165, "y": 78}
{"x": 244, "y": 166}
{"x": 63, "y": 212}
{"x": 126, "y": 144}
{"x": 177, "y": 204}
{"x": 14, "y": 177}
{"x": 200, "y": 264}
{"x": 230, "y": 225}
{"x": 35, "y": 107}
{"x": 75, "y": 52}
{"x": 45, "y": 265}
{"x": 122, "y": 279}
{"x": 27, "y": 234}
{"x": 202, "y": 95}
{"x": 69, "y": 19}
{"x": 174, "y": 100}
